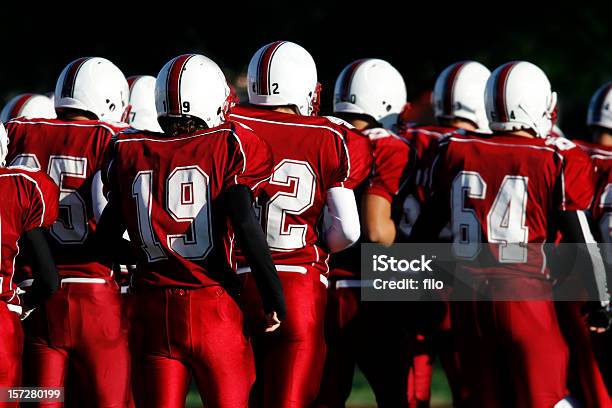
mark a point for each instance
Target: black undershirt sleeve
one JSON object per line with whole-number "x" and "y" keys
{"x": 252, "y": 242}
{"x": 46, "y": 279}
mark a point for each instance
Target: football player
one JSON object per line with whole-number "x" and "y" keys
{"x": 599, "y": 120}
{"x": 184, "y": 203}
{"x": 28, "y": 105}
{"x": 29, "y": 207}
{"x": 369, "y": 94}
{"x": 458, "y": 103}
{"x": 317, "y": 163}
{"x": 141, "y": 115}
{"x": 502, "y": 192}
{"x": 82, "y": 325}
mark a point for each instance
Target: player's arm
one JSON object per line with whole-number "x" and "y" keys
{"x": 46, "y": 279}
{"x": 378, "y": 225}
{"x": 575, "y": 228}
{"x": 341, "y": 220}
{"x": 253, "y": 244}
{"x": 97, "y": 196}
{"x": 108, "y": 241}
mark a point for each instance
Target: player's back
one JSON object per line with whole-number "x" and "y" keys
{"x": 170, "y": 190}
{"x": 310, "y": 156}
{"x": 502, "y": 190}
{"x": 72, "y": 153}
{"x": 29, "y": 201}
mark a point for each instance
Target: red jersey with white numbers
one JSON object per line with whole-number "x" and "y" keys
{"x": 311, "y": 155}
{"x": 171, "y": 194}
{"x": 501, "y": 191}
{"x": 29, "y": 201}
{"x": 71, "y": 153}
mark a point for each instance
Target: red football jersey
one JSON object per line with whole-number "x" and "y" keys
{"x": 72, "y": 154}
{"x": 29, "y": 201}
{"x": 392, "y": 169}
{"x": 311, "y": 155}
{"x": 424, "y": 141}
{"x": 170, "y": 191}
{"x": 501, "y": 189}
{"x": 602, "y": 203}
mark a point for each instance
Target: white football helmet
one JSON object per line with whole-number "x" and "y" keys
{"x": 459, "y": 93}
{"x": 283, "y": 73}
{"x": 192, "y": 85}
{"x": 4, "y": 141}
{"x": 518, "y": 96}
{"x": 142, "y": 114}
{"x": 600, "y": 107}
{"x": 28, "y": 105}
{"x": 94, "y": 85}
{"x": 371, "y": 87}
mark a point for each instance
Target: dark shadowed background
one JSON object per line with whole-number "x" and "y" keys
{"x": 573, "y": 44}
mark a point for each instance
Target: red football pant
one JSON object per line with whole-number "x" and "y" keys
{"x": 11, "y": 348}
{"x": 176, "y": 332}
{"x": 585, "y": 379}
{"x": 368, "y": 334}
{"x": 289, "y": 361}
{"x": 512, "y": 352}
{"x": 82, "y": 325}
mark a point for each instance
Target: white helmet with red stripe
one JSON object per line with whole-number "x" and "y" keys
{"x": 4, "y": 141}
{"x": 518, "y": 96}
{"x": 459, "y": 93}
{"x": 142, "y": 114}
{"x": 192, "y": 85}
{"x": 28, "y": 105}
{"x": 284, "y": 74}
{"x": 371, "y": 87}
{"x": 95, "y": 85}
{"x": 600, "y": 108}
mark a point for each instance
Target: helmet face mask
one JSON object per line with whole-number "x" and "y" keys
{"x": 371, "y": 87}
{"x": 518, "y": 96}
{"x": 283, "y": 73}
{"x": 192, "y": 85}
{"x": 94, "y": 85}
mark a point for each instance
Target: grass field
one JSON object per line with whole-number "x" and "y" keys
{"x": 362, "y": 397}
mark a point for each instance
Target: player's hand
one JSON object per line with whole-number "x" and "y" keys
{"x": 272, "y": 322}
{"x": 598, "y": 317}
